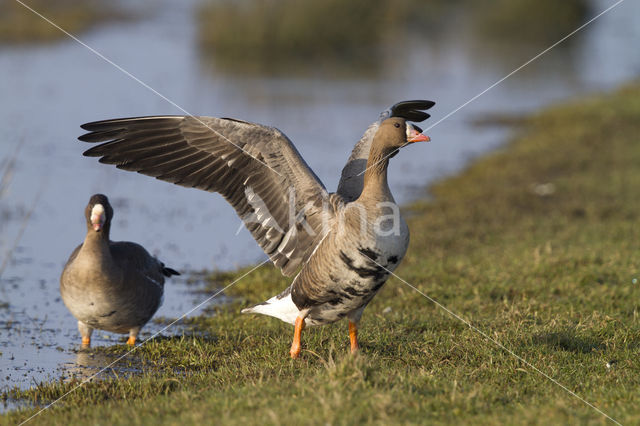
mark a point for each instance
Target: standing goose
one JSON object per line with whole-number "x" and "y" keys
{"x": 113, "y": 286}
{"x": 337, "y": 241}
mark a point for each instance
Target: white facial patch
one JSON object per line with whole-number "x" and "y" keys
{"x": 408, "y": 130}
{"x": 97, "y": 216}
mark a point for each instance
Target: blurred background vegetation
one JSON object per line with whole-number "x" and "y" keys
{"x": 529, "y": 21}
{"x": 20, "y": 25}
{"x": 272, "y": 35}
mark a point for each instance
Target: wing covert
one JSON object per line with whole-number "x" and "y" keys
{"x": 255, "y": 168}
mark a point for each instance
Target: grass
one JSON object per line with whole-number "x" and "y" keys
{"x": 538, "y": 22}
{"x": 18, "y": 25}
{"x": 536, "y": 245}
{"x": 302, "y": 35}
{"x": 356, "y": 37}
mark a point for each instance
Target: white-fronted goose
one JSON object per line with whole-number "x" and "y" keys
{"x": 113, "y": 286}
{"x": 337, "y": 239}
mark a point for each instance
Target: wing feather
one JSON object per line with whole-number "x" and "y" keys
{"x": 255, "y": 168}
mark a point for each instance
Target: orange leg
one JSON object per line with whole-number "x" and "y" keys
{"x": 85, "y": 333}
{"x": 131, "y": 341}
{"x": 353, "y": 336}
{"x": 297, "y": 334}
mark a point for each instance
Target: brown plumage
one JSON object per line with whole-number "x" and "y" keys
{"x": 282, "y": 202}
{"x": 113, "y": 286}
{"x": 239, "y": 160}
{"x": 357, "y": 254}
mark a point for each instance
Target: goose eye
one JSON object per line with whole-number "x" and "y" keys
{"x": 396, "y": 124}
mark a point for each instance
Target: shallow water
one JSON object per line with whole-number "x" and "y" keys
{"x": 48, "y": 91}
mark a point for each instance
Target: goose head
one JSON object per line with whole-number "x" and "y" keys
{"x": 98, "y": 214}
{"x": 395, "y": 133}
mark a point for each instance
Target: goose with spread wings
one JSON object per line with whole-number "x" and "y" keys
{"x": 342, "y": 245}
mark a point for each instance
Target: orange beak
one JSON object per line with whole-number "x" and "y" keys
{"x": 416, "y": 136}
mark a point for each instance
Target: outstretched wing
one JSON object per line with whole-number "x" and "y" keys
{"x": 256, "y": 169}
{"x": 352, "y": 179}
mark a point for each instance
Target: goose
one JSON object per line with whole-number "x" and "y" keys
{"x": 108, "y": 285}
{"x": 334, "y": 241}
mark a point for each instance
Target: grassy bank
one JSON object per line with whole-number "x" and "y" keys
{"x": 297, "y": 35}
{"x": 20, "y": 25}
{"x": 536, "y": 245}
{"x": 336, "y": 37}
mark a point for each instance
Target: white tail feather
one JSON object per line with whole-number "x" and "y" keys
{"x": 283, "y": 309}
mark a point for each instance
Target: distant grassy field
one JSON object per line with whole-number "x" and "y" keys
{"x": 20, "y": 25}
{"x": 540, "y": 22}
{"x": 536, "y": 245}
{"x": 334, "y": 36}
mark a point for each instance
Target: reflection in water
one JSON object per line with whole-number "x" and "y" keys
{"x": 92, "y": 364}
{"x": 10, "y": 404}
{"x": 53, "y": 89}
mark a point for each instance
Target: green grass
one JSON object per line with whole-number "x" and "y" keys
{"x": 539, "y": 22}
{"x": 551, "y": 277}
{"x": 308, "y": 35}
{"x": 356, "y": 37}
{"x": 20, "y": 25}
